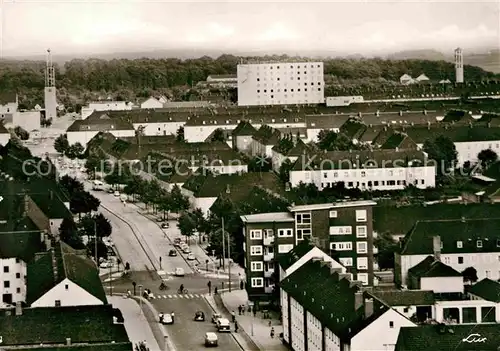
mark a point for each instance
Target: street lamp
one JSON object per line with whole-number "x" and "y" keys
{"x": 140, "y": 298}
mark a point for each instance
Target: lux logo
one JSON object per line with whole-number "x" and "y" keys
{"x": 474, "y": 338}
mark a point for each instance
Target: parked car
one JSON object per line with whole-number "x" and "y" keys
{"x": 199, "y": 316}
{"x": 159, "y": 219}
{"x": 211, "y": 339}
{"x": 223, "y": 325}
{"x": 172, "y": 253}
{"x": 165, "y": 225}
{"x": 106, "y": 264}
{"x": 216, "y": 317}
{"x": 179, "y": 272}
{"x": 116, "y": 193}
{"x": 186, "y": 250}
{"x": 191, "y": 257}
{"x": 167, "y": 318}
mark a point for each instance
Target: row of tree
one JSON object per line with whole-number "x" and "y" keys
{"x": 61, "y": 145}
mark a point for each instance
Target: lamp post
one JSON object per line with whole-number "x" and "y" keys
{"x": 160, "y": 263}
{"x": 223, "y": 248}
{"x": 229, "y": 260}
{"x": 140, "y": 298}
{"x": 110, "y": 279}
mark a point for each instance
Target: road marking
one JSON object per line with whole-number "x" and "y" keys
{"x": 196, "y": 295}
{"x": 169, "y": 296}
{"x": 164, "y": 296}
{"x": 191, "y": 296}
{"x": 181, "y": 296}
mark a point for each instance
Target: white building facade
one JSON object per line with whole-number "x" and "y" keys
{"x": 13, "y": 282}
{"x": 105, "y": 106}
{"x": 280, "y": 83}
{"x": 67, "y": 293}
{"x": 333, "y": 101}
{"x": 152, "y": 102}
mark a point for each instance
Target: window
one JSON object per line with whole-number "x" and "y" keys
{"x": 362, "y": 262}
{"x": 469, "y": 315}
{"x": 302, "y": 232}
{"x": 256, "y": 266}
{"x": 341, "y": 246}
{"x": 391, "y": 324}
{"x": 361, "y": 231}
{"x": 460, "y": 260}
{"x": 58, "y": 303}
{"x": 285, "y": 248}
{"x": 18, "y": 275}
{"x": 303, "y": 218}
{"x": 6, "y": 269}
{"x": 18, "y": 260}
{"x": 285, "y": 233}
{"x": 256, "y": 234}
{"x": 6, "y": 284}
{"x": 333, "y": 214}
{"x": 255, "y": 250}
{"x": 479, "y": 243}
{"x": 257, "y": 282}
{"x": 360, "y": 215}
{"x": 66, "y": 287}
{"x": 361, "y": 247}
{"x": 341, "y": 230}
{"x": 18, "y": 290}
{"x": 488, "y": 314}
{"x": 346, "y": 261}
{"x": 460, "y": 244}
{"x": 363, "y": 278}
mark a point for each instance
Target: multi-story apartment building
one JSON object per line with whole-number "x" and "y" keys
{"x": 280, "y": 83}
{"x": 366, "y": 169}
{"x": 344, "y": 230}
{"x": 460, "y": 243}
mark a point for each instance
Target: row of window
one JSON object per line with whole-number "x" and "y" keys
{"x": 479, "y": 244}
{"x": 291, "y": 78}
{"x": 257, "y": 282}
{"x": 284, "y": 90}
{"x": 361, "y": 215}
{"x": 258, "y": 234}
{"x": 361, "y": 230}
{"x": 361, "y": 262}
{"x": 361, "y": 246}
{"x": 370, "y": 183}
{"x": 292, "y": 66}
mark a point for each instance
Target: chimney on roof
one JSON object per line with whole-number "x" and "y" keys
{"x": 51, "y": 195}
{"x": 377, "y": 113}
{"x": 436, "y": 247}
{"x": 358, "y": 300}
{"x": 228, "y": 189}
{"x": 428, "y": 125}
{"x": 368, "y": 307}
{"x": 400, "y": 112}
{"x": 68, "y": 341}
{"x": 19, "y": 308}
{"x": 489, "y": 124}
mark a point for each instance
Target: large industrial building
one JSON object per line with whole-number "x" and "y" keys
{"x": 280, "y": 83}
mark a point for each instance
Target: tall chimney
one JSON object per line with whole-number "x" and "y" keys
{"x": 368, "y": 307}
{"x": 19, "y": 309}
{"x": 358, "y": 300}
{"x": 436, "y": 246}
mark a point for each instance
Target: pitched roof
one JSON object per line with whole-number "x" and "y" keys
{"x": 268, "y": 217}
{"x": 20, "y": 239}
{"x": 457, "y": 134}
{"x": 299, "y": 251}
{"x": 405, "y": 297}
{"x": 223, "y": 76}
{"x": 396, "y": 141}
{"x": 102, "y": 124}
{"x": 353, "y": 128}
{"x": 53, "y": 325}
{"x": 419, "y": 240}
{"x": 70, "y": 264}
{"x": 430, "y": 267}
{"x": 447, "y": 337}
{"x": 486, "y": 289}
{"x": 7, "y": 97}
{"x": 267, "y": 135}
{"x": 244, "y": 128}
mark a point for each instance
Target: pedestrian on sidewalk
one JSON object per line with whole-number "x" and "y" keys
{"x": 272, "y": 332}
{"x": 243, "y": 309}
{"x": 215, "y": 291}
{"x": 233, "y": 315}
{"x": 209, "y": 284}
{"x": 236, "y": 327}
{"x": 239, "y": 310}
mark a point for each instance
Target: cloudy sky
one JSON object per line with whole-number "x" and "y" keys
{"x": 366, "y": 27}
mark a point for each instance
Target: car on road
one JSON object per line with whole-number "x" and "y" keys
{"x": 111, "y": 191}
{"x": 223, "y": 325}
{"x": 179, "y": 272}
{"x": 167, "y": 318}
{"x": 116, "y": 193}
{"x": 186, "y": 250}
{"x": 216, "y": 317}
{"x": 165, "y": 225}
{"x": 191, "y": 257}
{"x": 159, "y": 219}
{"x": 106, "y": 264}
{"x": 211, "y": 339}
{"x": 199, "y": 316}
{"x": 172, "y": 253}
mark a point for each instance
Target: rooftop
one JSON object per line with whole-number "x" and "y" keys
{"x": 6, "y": 97}
{"x": 53, "y": 325}
{"x": 244, "y": 128}
{"x": 20, "y": 239}
{"x": 476, "y": 235}
{"x": 102, "y": 124}
{"x": 268, "y": 217}
{"x": 342, "y": 204}
{"x": 405, "y": 298}
{"x": 432, "y": 268}
{"x": 486, "y": 289}
{"x": 292, "y": 256}
{"x": 267, "y": 135}
{"x": 448, "y": 337}
{"x": 457, "y": 134}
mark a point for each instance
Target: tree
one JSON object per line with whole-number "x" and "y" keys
{"x": 71, "y": 185}
{"x": 75, "y": 151}
{"x": 442, "y": 150}
{"x": 83, "y": 202}
{"x": 179, "y": 202}
{"x": 102, "y": 249}
{"x": 218, "y": 135}
{"x": 61, "y": 143}
{"x": 387, "y": 246}
{"x": 103, "y": 226}
{"x": 284, "y": 171}
{"x": 487, "y": 157}
{"x": 68, "y": 232}
{"x": 186, "y": 224}
{"x": 21, "y": 133}
{"x": 165, "y": 205}
{"x": 93, "y": 164}
{"x": 470, "y": 275}
{"x": 326, "y": 139}
{"x": 180, "y": 134}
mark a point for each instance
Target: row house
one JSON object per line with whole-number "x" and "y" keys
{"x": 105, "y": 106}
{"x": 264, "y": 140}
{"x": 459, "y": 243}
{"x": 242, "y": 137}
{"x": 323, "y": 310}
{"x": 365, "y": 169}
{"x": 82, "y": 131}
{"x": 289, "y": 149}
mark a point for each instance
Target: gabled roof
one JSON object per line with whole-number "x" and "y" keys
{"x": 457, "y": 134}
{"x": 20, "y": 239}
{"x": 292, "y": 256}
{"x": 102, "y": 124}
{"x": 430, "y": 267}
{"x": 53, "y": 325}
{"x": 405, "y": 297}
{"x": 353, "y": 128}
{"x": 486, "y": 289}
{"x": 70, "y": 264}
{"x": 396, "y": 141}
{"x": 422, "y": 77}
{"x": 420, "y": 238}
{"x": 448, "y": 337}
{"x": 244, "y": 128}
{"x": 267, "y": 135}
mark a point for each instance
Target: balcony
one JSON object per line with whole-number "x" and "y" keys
{"x": 269, "y": 241}
{"x": 375, "y": 250}
{"x": 268, "y": 257}
{"x": 268, "y": 274}
{"x": 268, "y": 289}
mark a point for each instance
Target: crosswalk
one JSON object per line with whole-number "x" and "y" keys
{"x": 177, "y": 296}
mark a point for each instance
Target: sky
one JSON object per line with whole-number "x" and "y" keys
{"x": 29, "y": 27}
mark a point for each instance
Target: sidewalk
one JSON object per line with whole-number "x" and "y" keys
{"x": 136, "y": 324}
{"x": 255, "y": 328}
